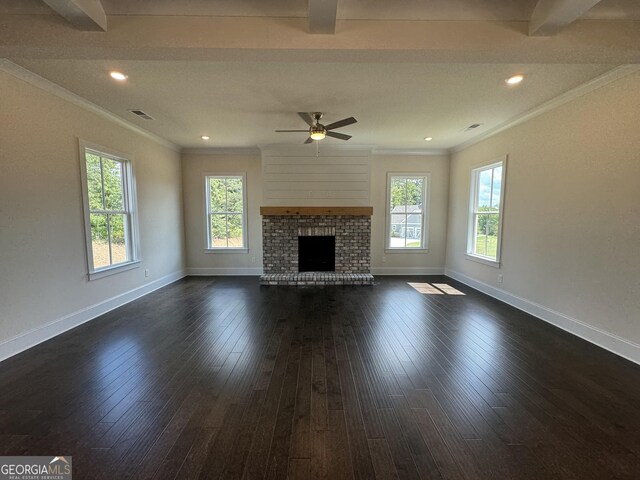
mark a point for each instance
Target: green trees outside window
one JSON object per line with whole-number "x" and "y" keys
{"x": 486, "y": 191}
{"x": 225, "y": 211}
{"x": 109, "y": 214}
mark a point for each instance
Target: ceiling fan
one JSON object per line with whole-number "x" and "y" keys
{"x": 317, "y": 131}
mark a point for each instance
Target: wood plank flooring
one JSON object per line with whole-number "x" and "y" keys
{"x": 221, "y": 378}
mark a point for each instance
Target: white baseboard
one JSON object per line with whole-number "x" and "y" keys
{"x": 407, "y": 270}
{"x": 231, "y": 271}
{"x": 595, "y": 335}
{"x": 42, "y": 333}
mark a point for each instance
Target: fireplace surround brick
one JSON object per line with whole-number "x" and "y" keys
{"x": 280, "y": 242}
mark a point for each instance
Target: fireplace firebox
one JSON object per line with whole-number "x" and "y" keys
{"x": 317, "y": 254}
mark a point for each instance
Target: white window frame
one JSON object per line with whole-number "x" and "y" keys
{"x": 207, "y": 214}
{"x": 426, "y": 207}
{"x": 471, "y": 220}
{"x": 130, "y": 207}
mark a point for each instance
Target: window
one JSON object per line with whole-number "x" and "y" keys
{"x": 406, "y": 214}
{"x": 485, "y": 212}
{"x": 109, "y": 209}
{"x": 226, "y": 212}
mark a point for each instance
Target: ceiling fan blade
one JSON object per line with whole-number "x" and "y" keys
{"x": 308, "y": 119}
{"x": 341, "y": 136}
{"x": 309, "y": 140}
{"x": 341, "y": 123}
{"x": 281, "y": 131}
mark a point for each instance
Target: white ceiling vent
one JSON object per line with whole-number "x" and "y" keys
{"x": 472, "y": 126}
{"x": 141, "y": 114}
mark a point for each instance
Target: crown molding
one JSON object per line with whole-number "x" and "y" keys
{"x": 36, "y": 80}
{"x": 271, "y": 148}
{"x": 600, "y": 81}
{"x": 311, "y": 149}
{"x": 221, "y": 151}
{"x": 411, "y": 152}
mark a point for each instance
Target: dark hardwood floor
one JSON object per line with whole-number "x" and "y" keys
{"x": 222, "y": 378}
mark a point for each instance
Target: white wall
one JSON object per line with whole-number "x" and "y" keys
{"x": 197, "y": 165}
{"x": 43, "y": 268}
{"x": 199, "y": 262}
{"x": 571, "y": 237}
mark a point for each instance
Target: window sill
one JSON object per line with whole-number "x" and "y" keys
{"x": 406, "y": 250}
{"x": 113, "y": 270}
{"x": 484, "y": 261}
{"x": 226, "y": 250}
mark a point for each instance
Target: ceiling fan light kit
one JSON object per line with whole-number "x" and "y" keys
{"x": 318, "y": 131}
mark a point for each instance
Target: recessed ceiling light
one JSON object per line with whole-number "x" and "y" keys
{"x": 121, "y": 77}
{"x": 428, "y": 139}
{"x": 205, "y": 137}
{"x": 515, "y": 79}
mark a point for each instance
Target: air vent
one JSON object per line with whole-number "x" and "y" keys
{"x": 141, "y": 114}
{"x": 472, "y": 126}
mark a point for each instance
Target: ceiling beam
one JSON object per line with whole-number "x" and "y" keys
{"x": 86, "y": 15}
{"x": 322, "y": 16}
{"x": 551, "y": 16}
{"x": 288, "y": 40}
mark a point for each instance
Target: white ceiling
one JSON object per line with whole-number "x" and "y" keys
{"x": 240, "y": 104}
{"x": 238, "y": 78}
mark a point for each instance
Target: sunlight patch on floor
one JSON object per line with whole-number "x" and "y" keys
{"x": 448, "y": 289}
{"x": 426, "y": 288}
{"x": 435, "y": 289}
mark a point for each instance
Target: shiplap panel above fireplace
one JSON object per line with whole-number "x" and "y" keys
{"x": 296, "y": 176}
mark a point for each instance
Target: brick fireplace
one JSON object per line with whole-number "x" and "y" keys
{"x": 282, "y": 228}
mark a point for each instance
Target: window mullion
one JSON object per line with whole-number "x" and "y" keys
{"x": 124, "y": 182}
{"x": 491, "y": 190}
{"x": 406, "y": 209}
{"x": 109, "y": 238}
{"x": 210, "y": 227}
{"x": 389, "y": 210}
{"x": 208, "y": 196}
{"x": 104, "y": 201}
{"x": 226, "y": 194}
{"x": 104, "y": 205}
{"x": 127, "y": 235}
{"x": 476, "y": 196}
{"x": 126, "y": 205}
{"x": 406, "y": 195}
{"x": 209, "y": 213}
{"x": 486, "y": 236}
{"x": 406, "y": 233}
{"x": 476, "y": 231}
{"x": 226, "y": 229}
{"x": 226, "y": 207}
